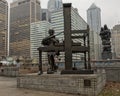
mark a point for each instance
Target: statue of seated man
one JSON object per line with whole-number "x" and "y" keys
{"x": 51, "y": 40}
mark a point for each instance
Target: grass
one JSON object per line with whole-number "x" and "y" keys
{"x": 111, "y": 89}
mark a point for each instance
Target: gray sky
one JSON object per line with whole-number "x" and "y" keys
{"x": 110, "y": 13}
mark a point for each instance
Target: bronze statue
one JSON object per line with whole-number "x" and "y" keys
{"x": 51, "y": 41}
{"x": 105, "y": 35}
{"x": 67, "y": 46}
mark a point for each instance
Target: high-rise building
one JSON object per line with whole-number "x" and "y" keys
{"x": 45, "y": 15}
{"x": 23, "y": 13}
{"x": 54, "y": 5}
{"x": 39, "y": 30}
{"x": 115, "y": 38}
{"x": 57, "y": 21}
{"x": 94, "y": 22}
{"x": 77, "y": 23}
{"x": 94, "y": 18}
{"x": 3, "y": 28}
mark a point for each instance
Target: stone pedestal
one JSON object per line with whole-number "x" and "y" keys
{"x": 88, "y": 85}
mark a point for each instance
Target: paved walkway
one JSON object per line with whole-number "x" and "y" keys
{"x": 8, "y": 88}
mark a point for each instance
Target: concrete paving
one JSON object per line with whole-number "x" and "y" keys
{"x": 8, "y": 88}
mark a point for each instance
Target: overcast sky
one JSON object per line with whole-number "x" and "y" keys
{"x": 110, "y": 13}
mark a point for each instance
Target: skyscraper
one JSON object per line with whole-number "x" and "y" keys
{"x": 45, "y": 15}
{"x": 94, "y": 22}
{"x": 3, "y": 28}
{"x": 23, "y": 13}
{"x": 94, "y": 18}
{"x": 54, "y": 5}
{"x": 115, "y": 41}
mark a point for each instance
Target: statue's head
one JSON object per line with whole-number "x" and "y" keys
{"x": 105, "y": 27}
{"x": 51, "y": 32}
{"x": 102, "y": 29}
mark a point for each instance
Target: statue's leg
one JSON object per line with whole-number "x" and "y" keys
{"x": 50, "y": 70}
{"x": 49, "y": 61}
{"x": 52, "y": 62}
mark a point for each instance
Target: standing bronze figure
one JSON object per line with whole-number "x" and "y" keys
{"x": 105, "y": 35}
{"x": 51, "y": 41}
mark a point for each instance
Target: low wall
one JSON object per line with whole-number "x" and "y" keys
{"x": 112, "y": 73}
{"x": 9, "y": 71}
{"x": 88, "y": 85}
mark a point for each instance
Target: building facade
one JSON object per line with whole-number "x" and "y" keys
{"x": 116, "y": 41}
{"x": 39, "y": 30}
{"x": 54, "y": 5}
{"x": 94, "y": 22}
{"x": 23, "y": 13}
{"x": 45, "y": 15}
{"x": 77, "y": 23}
{"x": 3, "y": 28}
